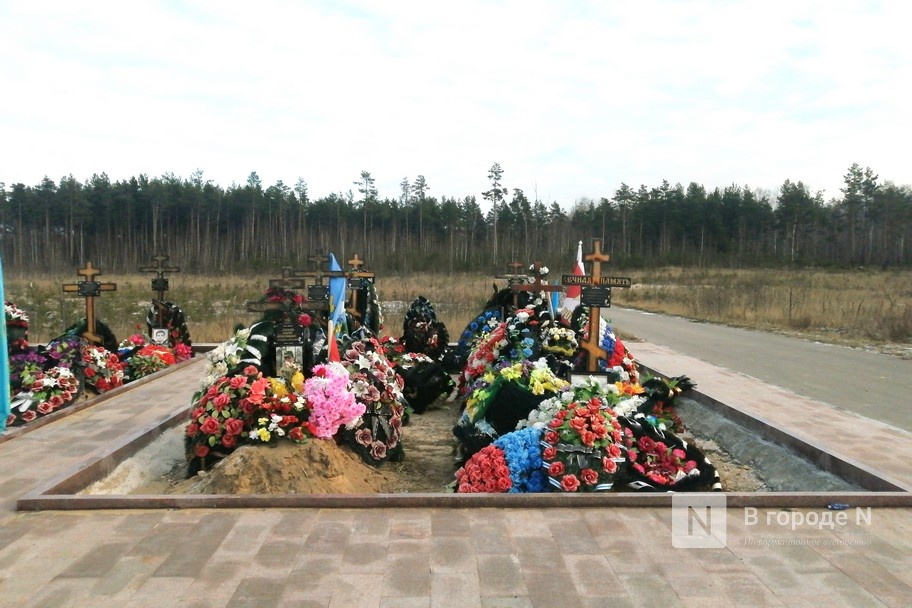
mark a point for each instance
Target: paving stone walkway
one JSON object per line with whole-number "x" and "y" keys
{"x": 421, "y": 557}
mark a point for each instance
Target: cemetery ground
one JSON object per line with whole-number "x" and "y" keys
{"x": 447, "y": 557}
{"x": 394, "y": 556}
{"x": 865, "y": 308}
{"x": 319, "y": 468}
{"x": 859, "y": 308}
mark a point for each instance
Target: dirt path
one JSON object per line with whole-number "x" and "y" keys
{"x": 429, "y": 450}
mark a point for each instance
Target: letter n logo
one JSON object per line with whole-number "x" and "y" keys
{"x": 698, "y": 521}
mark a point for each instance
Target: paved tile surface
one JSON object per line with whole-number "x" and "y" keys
{"x": 426, "y": 557}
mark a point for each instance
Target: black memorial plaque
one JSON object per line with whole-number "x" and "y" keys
{"x": 596, "y": 297}
{"x": 317, "y": 292}
{"x": 89, "y": 289}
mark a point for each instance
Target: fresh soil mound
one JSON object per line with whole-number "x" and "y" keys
{"x": 316, "y": 467}
{"x": 320, "y": 466}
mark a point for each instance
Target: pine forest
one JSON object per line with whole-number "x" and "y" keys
{"x": 208, "y": 229}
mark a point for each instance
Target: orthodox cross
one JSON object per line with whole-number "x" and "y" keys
{"x": 289, "y": 280}
{"x": 159, "y": 283}
{"x": 596, "y": 293}
{"x": 513, "y": 276}
{"x": 89, "y": 289}
{"x": 316, "y": 290}
{"x": 537, "y": 286}
{"x": 356, "y": 278}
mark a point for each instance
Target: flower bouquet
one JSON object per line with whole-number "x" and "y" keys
{"x": 248, "y": 408}
{"x": 222, "y": 413}
{"x": 485, "y": 471}
{"x": 472, "y": 335}
{"x": 620, "y": 396}
{"x": 660, "y": 461}
{"x": 217, "y": 419}
{"x": 379, "y": 388}
{"x": 559, "y": 340}
{"x": 282, "y": 413}
{"x": 330, "y": 400}
{"x": 659, "y": 404}
{"x": 513, "y": 463}
{"x": 17, "y": 324}
{"x": 103, "y": 369}
{"x": 148, "y": 360}
{"x": 483, "y": 355}
{"x": 422, "y": 332}
{"x": 424, "y": 379}
{"x": 65, "y": 351}
{"x": 248, "y": 346}
{"x": 582, "y": 446}
{"x": 23, "y": 365}
{"x": 42, "y": 392}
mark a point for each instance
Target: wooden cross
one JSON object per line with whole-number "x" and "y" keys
{"x": 315, "y": 290}
{"x": 596, "y": 292}
{"x": 356, "y": 263}
{"x": 315, "y": 258}
{"x": 356, "y": 278}
{"x": 537, "y": 286}
{"x": 595, "y": 297}
{"x": 593, "y": 344}
{"x": 159, "y": 283}
{"x": 513, "y": 275}
{"x": 308, "y": 305}
{"x": 89, "y": 289}
{"x": 289, "y": 280}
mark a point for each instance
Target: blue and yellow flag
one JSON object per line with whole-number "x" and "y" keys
{"x": 337, "y": 289}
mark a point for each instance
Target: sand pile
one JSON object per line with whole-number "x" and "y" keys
{"x": 316, "y": 467}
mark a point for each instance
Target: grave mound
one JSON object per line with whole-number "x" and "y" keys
{"x": 315, "y": 467}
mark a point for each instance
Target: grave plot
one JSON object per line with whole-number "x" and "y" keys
{"x": 73, "y": 370}
{"x": 350, "y": 483}
{"x": 609, "y": 436}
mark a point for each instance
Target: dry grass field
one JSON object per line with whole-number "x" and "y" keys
{"x": 851, "y": 307}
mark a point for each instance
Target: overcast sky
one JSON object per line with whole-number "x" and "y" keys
{"x": 572, "y": 98}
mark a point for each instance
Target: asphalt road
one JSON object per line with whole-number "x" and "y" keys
{"x": 870, "y": 384}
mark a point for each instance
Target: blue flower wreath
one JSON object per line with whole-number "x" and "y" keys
{"x": 473, "y": 332}
{"x": 522, "y": 451}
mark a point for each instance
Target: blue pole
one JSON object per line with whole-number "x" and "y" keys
{"x": 4, "y": 361}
